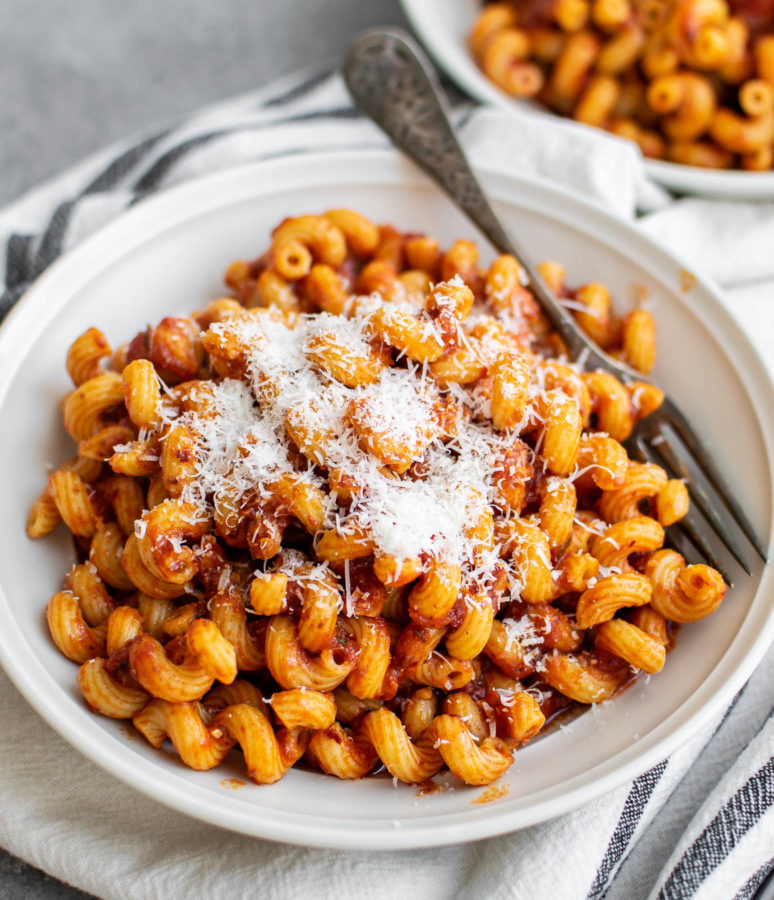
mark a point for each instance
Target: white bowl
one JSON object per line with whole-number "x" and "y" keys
{"x": 166, "y": 256}
{"x": 443, "y": 27}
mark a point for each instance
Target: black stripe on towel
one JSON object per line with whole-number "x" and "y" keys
{"x": 160, "y": 169}
{"x": 757, "y": 880}
{"x": 723, "y": 833}
{"x": 122, "y": 165}
{"x": 8, "y": 299}
{"x": 455, "y": 97}
{"x": 720, "y": 724}
{"x": 465, "y": 117}
{"x": 640, "y": 793}
{"x": 18, "y": 249}
{"x": 298, "y": 90}
{"x": 731, "y": 707}
{"x": 51, "y": 243}
{"x": 150, "y": 180}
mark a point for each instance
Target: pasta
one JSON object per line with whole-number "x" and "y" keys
{"x": 364, "y": 512}
{"x": 690, "y": 81}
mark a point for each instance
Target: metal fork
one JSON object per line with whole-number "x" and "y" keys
{"x": 393, "y": 83}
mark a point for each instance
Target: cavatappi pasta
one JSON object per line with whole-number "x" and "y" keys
{"x": 363, "y": 512}
{"x": 690, "y": 81}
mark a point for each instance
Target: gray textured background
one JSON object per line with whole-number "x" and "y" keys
{"x": 76, "y": 75}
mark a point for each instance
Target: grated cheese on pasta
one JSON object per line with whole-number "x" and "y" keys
{"x": 523, "y": 633}
{"x": 243, "y": 443}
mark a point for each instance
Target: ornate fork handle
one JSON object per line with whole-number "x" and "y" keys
{"x": 392, "y": 82}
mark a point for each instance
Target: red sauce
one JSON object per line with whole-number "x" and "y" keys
{"x": 429, "y": 788}
{"x": 758, "y": 14}
{"x": 493, "y": 792}
{"x": 232, "y": 784}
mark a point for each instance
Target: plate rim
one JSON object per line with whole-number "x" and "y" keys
{"x": 694, "y": 180}
{"x": 193, "y": 199}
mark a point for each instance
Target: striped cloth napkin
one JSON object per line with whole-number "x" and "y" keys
{"x": 700, "y": 824}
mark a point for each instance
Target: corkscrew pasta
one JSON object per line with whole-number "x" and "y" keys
{"x": 363, "y": 513}
{"x": 690, "y": 81}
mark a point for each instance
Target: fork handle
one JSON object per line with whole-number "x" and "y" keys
{"x": 393, "y": 83}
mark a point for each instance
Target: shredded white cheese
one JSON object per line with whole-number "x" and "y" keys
{"x": 242, "y": 443}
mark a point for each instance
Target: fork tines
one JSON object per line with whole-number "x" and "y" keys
{"x": 666, "y": 439}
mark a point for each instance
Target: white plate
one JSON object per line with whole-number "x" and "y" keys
{"x": 166, "y": 256}
{"x": 443, "y": 27}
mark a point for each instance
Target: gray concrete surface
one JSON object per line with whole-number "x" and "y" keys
{"x": 77, "y": 75}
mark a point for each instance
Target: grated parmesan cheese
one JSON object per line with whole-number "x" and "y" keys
{"x": 523, "y": 633}
{"x": 242, "y": 441}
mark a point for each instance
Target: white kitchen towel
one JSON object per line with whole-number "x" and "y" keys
{"x": 700, "y": 824}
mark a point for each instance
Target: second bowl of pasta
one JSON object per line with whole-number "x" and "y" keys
{"x": 690, "y": 84}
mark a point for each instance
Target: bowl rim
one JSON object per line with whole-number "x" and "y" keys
{"x": 678, "y": 177}
{"x": 195, "y": 198}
